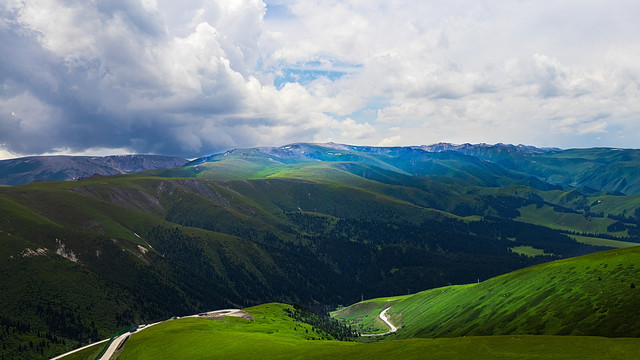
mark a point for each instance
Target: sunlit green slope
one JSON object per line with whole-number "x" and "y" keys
{"x": 594, "y": 295}
{"x": 272, "y": 335}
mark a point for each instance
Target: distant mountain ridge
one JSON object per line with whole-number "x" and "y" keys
{"x": 473, "y": 148}
{"x": 608, "y": 170}
{"x": 303, "y": 150}
{"x": 59, "y": 168}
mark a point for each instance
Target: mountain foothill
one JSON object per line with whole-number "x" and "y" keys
{"x": 479, "y": 240}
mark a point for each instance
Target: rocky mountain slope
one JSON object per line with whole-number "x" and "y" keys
{"x": 46, "y": 168}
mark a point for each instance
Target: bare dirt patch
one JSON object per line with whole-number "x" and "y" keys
{"x": 220, "y": 316}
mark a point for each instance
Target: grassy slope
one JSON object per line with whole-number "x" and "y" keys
{"x": 615, "y": 204}
{"x": 365, "y": 315}
{"x": 89, "y": 353}
{"x": 377, "y": 177}
{"x": 446, "y": 197}
{"x": 528, "y": 251}
{"x": 111, "y": 265}
{"x": 603, "y": 242}
{"x": 597, "y": 168}
{"x": 545, "y": 216}
{"x": 589, "y": 295}
{"x": 47, "y": 207}
{"x": 271, "y": 335}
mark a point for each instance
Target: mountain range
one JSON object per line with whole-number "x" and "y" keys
{"x": 318, "y": 224}
{"x": 59, "y": 168}
{"x": 601, "y": 169}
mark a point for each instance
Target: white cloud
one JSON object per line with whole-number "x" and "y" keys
{"x": 572, "y": 126}
{"x": 391, "y": 141}
{"x": 352, "y": 130}
{"x": 194, "y": 76}
{"x": 488, "y": 71}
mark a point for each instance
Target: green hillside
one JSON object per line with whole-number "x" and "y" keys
{"x": 86, "y": 258}
{"x": 592, "y": 295}
{"x": 598, "y": 169}
{"x": 310, "y": 224}
{"x": 272, "y": 335}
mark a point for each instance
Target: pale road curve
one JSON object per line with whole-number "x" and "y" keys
{"x": 115, "y": 344}
{"x": 79, "y": 349}
{"x": 383, "y": 317}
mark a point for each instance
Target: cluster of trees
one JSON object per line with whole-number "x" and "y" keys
{"x": 540, "y": 237}
{"x": 381, "y": 257}
{"x": 495, "y": 205}
{"x": 629, "y": 223}
{"x": 21, "y": 340}
{"x": 328, "y": 327}
{"x": 67, "y": 322}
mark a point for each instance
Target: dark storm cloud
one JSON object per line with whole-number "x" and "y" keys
{"x": 115, "y": 95}
{"x": 54, "y": 105}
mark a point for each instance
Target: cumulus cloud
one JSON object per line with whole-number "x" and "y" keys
{"x": 195, "y": 77}
{"x": 115, "y": 74}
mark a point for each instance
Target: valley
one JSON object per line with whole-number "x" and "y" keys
{"x": 326, "y": 225}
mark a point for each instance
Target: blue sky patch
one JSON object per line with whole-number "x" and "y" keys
{"x": 305, "y": 77}
{"x": 310, "y": 71}
{"x": 277, "y": 11}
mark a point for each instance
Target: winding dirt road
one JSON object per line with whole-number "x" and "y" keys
{"x": 383, "y": 317}
{"x": 118, "y": 342}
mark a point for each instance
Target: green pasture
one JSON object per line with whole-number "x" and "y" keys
{"x": 592, "y": 295}
{"x": 603, "y": 242}
{"x": 271, "y": 335}
{"x": 546, "y": 216}
{"x": 528, "y": 251}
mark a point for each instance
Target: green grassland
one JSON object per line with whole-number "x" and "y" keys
{"x": 592, "y": 295}
{"x": 272, "y": 335}
{"x": 546, "y": 216}
{"x": 603, "y": 242}
{"x": 89, "y": 353}
{"x": 528, "y": 251}
{"x": 365, "y": 315}
{"x": 597, "y": 203}
{"x": 240, "y": 231}
{"x": 616, "y": 205}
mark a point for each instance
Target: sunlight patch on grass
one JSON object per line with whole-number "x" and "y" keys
{"x": 529, "y": 251}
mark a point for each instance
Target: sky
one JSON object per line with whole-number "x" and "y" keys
{"x": 191, "y": 78}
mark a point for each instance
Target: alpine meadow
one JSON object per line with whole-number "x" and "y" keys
{"x": 509, "y": 240}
